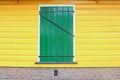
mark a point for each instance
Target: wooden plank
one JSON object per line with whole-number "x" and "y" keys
{"x": 78, "y": 58}
{"x": 98, "y": 47}
{"x": 19, "y": 29}
{"x": 98, "y": 23}
{"x": 19, "y": 7}
{"x": 18, "y": 47}
{"x": 7, "y": 2}
{"x": 55, "y": 2}
{"x": 16, "y": 64}
{"x": 18, "y": 23}
{"x": 97, "y": 58}
{"x": 98, "y": 41}
{"x": 97, "y": 13}
{"x": 97, "y": 18}
{"x": 18, "y": 58}
{"x": 61, "y": 2}
{"x": 97, "y": 53}
{"x": 79, "y": 64}
{"x": 97, "y": 35}
{"x": 16, "y": 1}
{"x": 18, "y": 12}
{"x": 97, "y": 1}
{"x": 110, "y": 2}
{"x": 97, "y": 29}
{"x": 19, "y": 18}
{"x": 18, "y": 53}
{"x": 70, "y": 2}
{"x": 77, "y": 7}
{"x": 18, "y": 41}
{"x": 99, "y": 64}
{"x": 18, "y": 35}
{"x": 97, "y": 7}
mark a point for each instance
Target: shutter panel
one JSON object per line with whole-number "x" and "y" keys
{"x": 56, "y": 44}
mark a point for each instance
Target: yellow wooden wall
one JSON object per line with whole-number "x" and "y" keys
{"x": 97, "y": 36}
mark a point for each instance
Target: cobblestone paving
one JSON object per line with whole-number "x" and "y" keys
{"x": 63, "y": 74}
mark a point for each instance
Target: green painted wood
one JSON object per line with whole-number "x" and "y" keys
{"x": 55, "y": 44}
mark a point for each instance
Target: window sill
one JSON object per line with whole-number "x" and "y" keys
{"x": 55, "y": 62}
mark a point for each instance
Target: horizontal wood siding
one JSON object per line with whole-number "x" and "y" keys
{"x": 97, "y": 36}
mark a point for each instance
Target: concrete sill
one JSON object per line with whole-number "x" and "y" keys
{"x": 55, "y": 62}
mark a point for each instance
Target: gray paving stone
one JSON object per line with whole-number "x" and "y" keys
{"x": 63, "y": 73}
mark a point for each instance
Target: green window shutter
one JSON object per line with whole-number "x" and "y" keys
{"x": 56, "y": 29}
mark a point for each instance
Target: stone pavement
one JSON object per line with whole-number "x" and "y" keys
{"x": 7, "y": 73}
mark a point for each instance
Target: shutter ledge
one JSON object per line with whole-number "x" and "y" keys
{"x": 55, "y": 62}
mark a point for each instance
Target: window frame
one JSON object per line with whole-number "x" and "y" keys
{"x": 38, "y": 62}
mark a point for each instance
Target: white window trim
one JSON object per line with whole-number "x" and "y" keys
{"x": 39, "y": 29}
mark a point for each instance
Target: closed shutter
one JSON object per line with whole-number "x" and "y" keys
{"x": 56, "y": 34}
